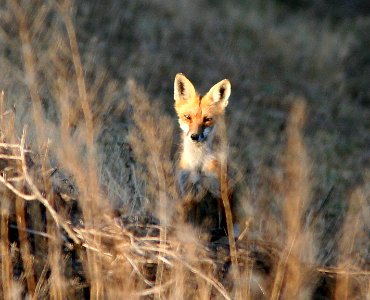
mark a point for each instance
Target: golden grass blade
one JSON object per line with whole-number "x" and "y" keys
{"x": 6, "y": 259}
{"x": 25, "y": 246}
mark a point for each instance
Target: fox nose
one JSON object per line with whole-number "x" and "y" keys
{"x": 194, "y": 136}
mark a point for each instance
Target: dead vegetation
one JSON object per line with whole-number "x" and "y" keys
{"x": 87, "y": 186}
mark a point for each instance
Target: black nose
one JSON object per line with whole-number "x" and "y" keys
{"x": 194, "y": 137}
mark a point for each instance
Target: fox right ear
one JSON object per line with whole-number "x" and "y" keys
{"x": 183, "y": 88}
{"x": 220, "y": 92}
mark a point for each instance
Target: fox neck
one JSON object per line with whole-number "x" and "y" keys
{"x": 195, "y": 155}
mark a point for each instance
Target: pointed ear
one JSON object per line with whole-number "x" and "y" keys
{"x": 220, "y": 92}
{"x": 183, "y": 88}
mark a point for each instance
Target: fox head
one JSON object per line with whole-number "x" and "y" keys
{"x": 198, "y": 114}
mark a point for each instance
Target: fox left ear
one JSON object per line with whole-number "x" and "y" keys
{"x": 220, "y": 92}
{"x": 183, "y": 88}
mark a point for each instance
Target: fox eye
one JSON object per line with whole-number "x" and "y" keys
{"x": 207, "y": 119}
{"x": 187, "y": 117}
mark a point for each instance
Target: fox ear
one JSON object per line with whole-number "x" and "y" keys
{"x": 220, "y": 92}
{"x": 183, "y": 88}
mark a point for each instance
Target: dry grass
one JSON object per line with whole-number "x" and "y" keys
{"x": 89, "y": 204}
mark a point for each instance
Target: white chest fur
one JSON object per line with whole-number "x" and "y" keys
{"x": 197, "y": 155}
{"x": 195, "y": 175}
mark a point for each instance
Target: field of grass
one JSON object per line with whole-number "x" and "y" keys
{"x": 89, "y": 142}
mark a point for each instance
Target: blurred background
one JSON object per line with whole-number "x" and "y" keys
{"x": 272, "y": 51}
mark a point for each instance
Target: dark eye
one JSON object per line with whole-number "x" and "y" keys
{"x": 187, "y": 117}
{"x": 207, "y": 119}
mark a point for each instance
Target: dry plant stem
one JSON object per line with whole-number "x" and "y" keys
{"x": 56, "y": 281}
{"x": 6, "y": 260}
{"x": 229, "y": 220}
{"x": 1, "y": 109}
{"x": 224, "y": 186}
{"x": 160, "y": 265}
{"x": 246, "y": 277}
{"x": 31, "y": 74}
{"x": 65, "y": 9}
{"x": 154, "y": 290}
{"x": 5, "y": 256}
{"x": 29, "y": 64}
{"x": 163, "y": 217}
{"x": 136, "y": 269}
{"x": 15, "y": 191}
{"x": 12, "y": 157}
{"x": 245, "y": 230}
{"x": 350, "y": 232}
{"x": 41, "y": 281}
{"x": 5, "y": 145}
{"x": 40, "y": 197}
{"x": 94, "y": 264}
{"x": 211, "y": 281}
{"x": 179, "y": 288}
{"x": 281, "y": 270}
{"x": 296, "y": 195}
{"x": 55, "y": 256}
{"x": 25, "y": 246}
{"x": 343, "y": 271}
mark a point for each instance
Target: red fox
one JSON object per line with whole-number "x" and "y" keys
{"x": 202, "y": 149}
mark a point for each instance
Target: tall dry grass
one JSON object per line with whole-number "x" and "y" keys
{"x": 64, "y": 235}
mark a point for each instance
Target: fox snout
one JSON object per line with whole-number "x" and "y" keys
{"x": 197, "y": 137}
{"x": 200, "y": 135}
